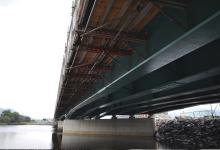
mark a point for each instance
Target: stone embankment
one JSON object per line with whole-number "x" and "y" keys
{"x": 190, "y": 134}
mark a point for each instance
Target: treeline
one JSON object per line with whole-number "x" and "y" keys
{"x": 13, "y": 117}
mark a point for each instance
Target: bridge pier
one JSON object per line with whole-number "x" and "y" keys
{"x": 59, "y": 125}
{"x": 114, "y": 117}
{"x": 110, "y": 127}
{"x": 131, "y": 117}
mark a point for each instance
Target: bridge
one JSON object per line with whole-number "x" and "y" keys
{"x": 126, "y": 57}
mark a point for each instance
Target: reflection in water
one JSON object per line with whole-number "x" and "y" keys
{"x": 56, "y": 139}
{"x": 109, "y": 142}
{"x": 25, "y": 137}
{"x": 41, "y": 137}
{"x": 91, "y": 142}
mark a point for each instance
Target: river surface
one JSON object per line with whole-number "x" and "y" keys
{"x": 25, "y": 137}
{"x": 43, "y": 137}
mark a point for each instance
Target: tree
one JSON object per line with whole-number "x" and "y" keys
{"x": 13, "y": 117}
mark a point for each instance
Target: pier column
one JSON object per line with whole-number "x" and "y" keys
{"x": 59, "y": 125}
{"x": 114, "y": 117}
{"x": 115, "y": 127}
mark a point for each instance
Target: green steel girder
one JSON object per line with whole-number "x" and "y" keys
{"x": 181, "y": 106}
{"x": 161, "y": 108}
{"x": 176, "y": 106}
{"x": 202, "y": 34}
{"x": 177, "y": 98}
{"x": 146, "y": 96}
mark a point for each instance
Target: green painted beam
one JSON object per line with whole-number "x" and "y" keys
{"x": 202, "y": 34}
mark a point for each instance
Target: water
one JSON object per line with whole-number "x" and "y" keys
{"x": 101, "y": 142}
{"x": 25, "y": 137}
{"x": 43, "y": 137}
{"x": 109, "y": 142}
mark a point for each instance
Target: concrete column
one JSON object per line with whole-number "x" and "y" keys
{"x": 114, "y": 117}
{"x": 131, "y": 117}
{"x": 121, "y": 127}
{"x": 59, "y": 125}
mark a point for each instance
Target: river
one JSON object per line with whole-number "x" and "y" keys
{"x": 25, "y": 137}
{"x": 43, "y": 137}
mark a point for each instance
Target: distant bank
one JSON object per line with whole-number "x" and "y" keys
{"x": 9, "y": 117}
{"x": 27, "y": 123}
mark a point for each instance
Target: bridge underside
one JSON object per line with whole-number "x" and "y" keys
{"x": 177, "y": 66}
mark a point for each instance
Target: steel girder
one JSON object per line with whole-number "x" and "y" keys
{"x": 202, "y": 34}
{"x": 182, "y": 76}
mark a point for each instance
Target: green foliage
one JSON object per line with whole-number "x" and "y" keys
{"x": 13, "y": 117}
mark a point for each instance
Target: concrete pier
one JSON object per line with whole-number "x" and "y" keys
{"x": 114, "y": 127}
{"x": 59, "y": 125}
{"x": 107, "y": 142}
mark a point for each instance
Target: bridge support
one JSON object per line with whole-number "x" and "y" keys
{"x": 59, "y": 125}
{"x": 131, "y": 117}
{"x": 111, "y": 127}
{"x": 114, "y": 117}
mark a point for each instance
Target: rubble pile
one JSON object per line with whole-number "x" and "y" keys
{"x": 199, "y": 133}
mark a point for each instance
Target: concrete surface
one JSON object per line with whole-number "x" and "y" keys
{"x": 116, "y": 127}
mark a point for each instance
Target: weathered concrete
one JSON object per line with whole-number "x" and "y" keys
{"x": 59, "y": 125}
{"x": 109, "y": 142}
{"x": 116, "y": 127}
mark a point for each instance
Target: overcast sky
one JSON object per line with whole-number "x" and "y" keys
{"x": 32, "y": 39}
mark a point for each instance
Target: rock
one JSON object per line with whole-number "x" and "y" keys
{"x": 197, "y": 133}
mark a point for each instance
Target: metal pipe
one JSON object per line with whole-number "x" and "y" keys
{"x": 93, "y": 7}
{"x": 103, "y": 53}
{"x": 85, "y": 4}
{"x": 111, "y": 44}
{"x": 78, "y": 66}
{"x": 102, "y": 56}
{"x": 173, "y": 2}
{"x": 100, "y": 27}
{"x": 172, "y": 19}
{"x": 81, "y": 38}
{"x": 133, "y": 14}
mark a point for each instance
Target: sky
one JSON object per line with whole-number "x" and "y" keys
{"x": 32, "y": 41}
